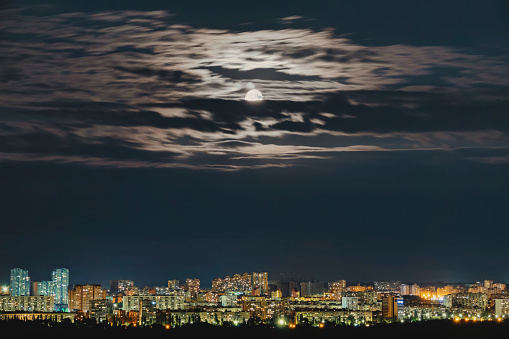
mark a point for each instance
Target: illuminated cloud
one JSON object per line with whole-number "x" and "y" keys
{"x": 130, "y": 88}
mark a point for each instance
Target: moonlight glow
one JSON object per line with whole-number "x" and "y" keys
{"x": 254, "y": 95}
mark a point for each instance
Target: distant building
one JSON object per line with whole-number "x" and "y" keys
{"x": 60, "y": 285}
{"x": 276, "y": 294}
{"x": 466, "y": 300}
{"x": 415, "y": 290}
{"x": 337, "y": 286}
{"x": 350, "y": 303}
{"x": 120, "y": 286}
{"x": 229, "y": 300}
{"x": 313, "y": 288}
{"x": 388, "y": 286}
{"x": 20, "y": 282}
{"x": 160, "y": 302}
{"x": 42, "y": 288}
{"x": 81, "y": 297}
{"x": 261, "y": 281}
{"x": 236, "y": 283}
{"x": 501, "y": 307}
{"x": 99, "y": 310}
{"x": 405, "y": 289}
{"x": 389, "y": 308}
{"x": 27, "y": 303}
{"x": 173, "y": 284}
{"x": 193, "y": 286}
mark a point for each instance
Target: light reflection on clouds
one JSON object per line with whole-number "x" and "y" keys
{"x": 143, "y": 72}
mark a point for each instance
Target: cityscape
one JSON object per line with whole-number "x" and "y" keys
{"x": 250, "y": 298}
{"x": 216, "y": 169}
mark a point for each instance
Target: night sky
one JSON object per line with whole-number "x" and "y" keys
{"x": 380, "y": 150}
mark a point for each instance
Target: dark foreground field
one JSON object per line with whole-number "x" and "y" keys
{"x": 430, "y": 329}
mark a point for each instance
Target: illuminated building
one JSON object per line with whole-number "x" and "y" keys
{"x": 367, "y": 297}
{"x": 467, "y": 300}
{"x": 99, "y": 310}
{"x": 350, "y": 303}
{"x": 236, "y": 283}
{"x": 381, "y": 286}
{"x": 20, "y": 282}
{"x": 193, "y": 286}
{"x": 39, "y": 315}
{"x": 389, "y": 308}
{"x": 261, "y": 281}
{"x": 260, "y": 307}
{"x": 120, "y": 286}
{"x": 405, "y": 289}
{"x": 43, "y": 288}
{"x": 488, "y": 283}
{"x": 211, "y": 297}
{"x": 499, "y": 287}
{"x": 501, "y": 307}
{"x": 313, "y": 288}
{"x": 388, "y": 286}
{"x": 359, "y": 288}
{"x": 295, "y": 293}
{"x": 415, "y": 290}
{"x": 27, "y": 303}
{"x": 173, "y": 284}
{"x": 337, "y": 286}
{"x": 60, "y": 285}
{"x": 160, "y": 302}
{"x": 316, "y": 317}
{"x": 81, "y": 297}
{"x": 229, "y": 300}
{"x": 276, "y": 294}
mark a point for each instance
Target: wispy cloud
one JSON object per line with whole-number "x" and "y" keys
{"x": 130, "y": 88}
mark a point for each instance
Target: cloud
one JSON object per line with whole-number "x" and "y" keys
{"x": 141, "y": 88}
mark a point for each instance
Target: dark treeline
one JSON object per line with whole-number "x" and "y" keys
{"x": 431, "y": 329}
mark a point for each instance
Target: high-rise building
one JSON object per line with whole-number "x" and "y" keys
{"x": 313, "y": 288}
{"x": 389, "y": 307}
{"x": 415, "y": 290}
{"x": 405, "y": 289}
{"x": 80, "y": 298}
{"x": 120, "y": 286}
{"x": 60, "y": 279}
{"x": 193, "y": 286}
{"x": 173, "y": 284}
{"x": 261, "y": 281}
{"x": 236, "y": 283}
{"x": 337, "y": 286}
{"x": 42, "y": 288}
{"x": 20, "y": 282}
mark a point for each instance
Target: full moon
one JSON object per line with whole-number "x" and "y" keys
{"x": 254, "y": 95}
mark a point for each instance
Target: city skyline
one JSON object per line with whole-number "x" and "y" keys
{"x": 208, "y": 284}
{"x": 150, "y": 140}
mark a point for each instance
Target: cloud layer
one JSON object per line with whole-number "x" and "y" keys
{"x": 139, "y": 89}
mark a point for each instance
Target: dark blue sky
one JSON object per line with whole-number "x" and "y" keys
{"x": 380, "y": 151}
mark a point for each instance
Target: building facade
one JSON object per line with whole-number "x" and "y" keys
{"x": 20, "y": 282}
{"x": 27, "y": 303}
{"x": 60, "y": 284}
{"x": 261, "y": 282}
{"x": 160, "y": 302}
{"x": 81, "y": 296}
